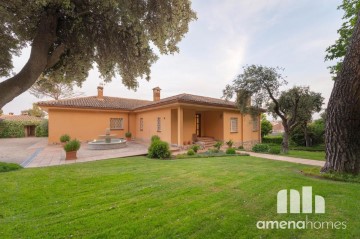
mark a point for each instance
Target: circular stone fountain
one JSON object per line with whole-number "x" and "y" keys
{"x": 107, "y": 141}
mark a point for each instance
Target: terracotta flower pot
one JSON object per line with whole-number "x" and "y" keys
{"x": 71, "y": 155}
{"x": 128, "y": 139}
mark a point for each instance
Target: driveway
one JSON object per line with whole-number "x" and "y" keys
{"x": 18, "y": 150}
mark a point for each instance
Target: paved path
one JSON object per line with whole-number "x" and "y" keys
{"x": 288, "y": 159}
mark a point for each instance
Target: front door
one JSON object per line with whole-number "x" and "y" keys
{"x": 198, "y": 125}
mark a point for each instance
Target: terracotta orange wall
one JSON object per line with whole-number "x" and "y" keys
{"x": 189, "y": 126}
{"x": 236, "y": 137}
{"x": 150, "y": 124}
{"x": 212, "y": 124}
{"x": 83, "y": 124}
{"x": 249, "y": 134}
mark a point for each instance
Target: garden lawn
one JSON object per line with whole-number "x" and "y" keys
{"x": 186, "y": 198}
{"x": 316, "y": 155}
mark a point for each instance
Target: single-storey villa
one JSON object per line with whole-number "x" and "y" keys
{"x": 178, "y": 119}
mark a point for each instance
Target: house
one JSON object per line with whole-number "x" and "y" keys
{"x": 278, "y": 128}
{"x": 178, "y": 119}
{"x": 23, "y": 125}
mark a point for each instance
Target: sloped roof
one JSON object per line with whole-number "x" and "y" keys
{"x": 21, "y": 118}
{"x": 92, "y": 102}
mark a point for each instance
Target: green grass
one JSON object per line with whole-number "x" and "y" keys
{"x": 332, "y": 176}
{"x": 306, "y": 154}
{"x": 186, "y": 198}
{"x": 7, "y": 167}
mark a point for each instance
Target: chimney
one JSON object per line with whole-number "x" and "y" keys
{"x": 11, "y": 113}
{"x": 156, "y": 93}
{"x": 100, "y": 95}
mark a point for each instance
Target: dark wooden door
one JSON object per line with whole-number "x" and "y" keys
{"x": 198, "y": 125}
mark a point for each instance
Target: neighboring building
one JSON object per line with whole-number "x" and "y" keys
{"x": 177, "y": 119}
{"x": 278, "y": 128}
{"x": 18, "y": 125}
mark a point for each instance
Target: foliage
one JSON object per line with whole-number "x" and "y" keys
{"x": 337, "y": 51}
{"x": 154, "y": 138}
{"x": 230, "y": 151}
{"x": 272, "y": 140}
{"x": 14, "y": 129}
{"x": 42, "y": 130}
{"x": 68, "y": 37}
{"x": 72, "y": 145}
{"x": 195, "y": 147}
{"x": 261, "y": 148}
{"x": 241, "y": 147}
{"x": 190, "y": 152}
{"x": 128, "y": 134}
{"x": 274, "y": 150}
{"x": 6, "y": 167}
{"x": 64, "y": 138}
{"x": 209, "y": 154}
{"x": 315, "y": 131}
{"x": 35, "y": 111}
{"x": 266, "y": 126}
{"x": 218, "y": 145}
{"x": 229, "y": 143}
{"x": 335, "y": 176}
{"x": 53, "y": 88}
{"x": 159, "y": 149}
{"x": 1, "y": 111}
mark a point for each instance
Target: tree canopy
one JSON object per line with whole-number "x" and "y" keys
{"x": 337, "y": 51}
{"x": 266, "y": 126}
{"x": 68, "y": 36}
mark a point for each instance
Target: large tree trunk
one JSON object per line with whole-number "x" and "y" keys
{"x": 40, "y": 59}
{"x": 342, "y": 136}
{"x": 307, "y": 138}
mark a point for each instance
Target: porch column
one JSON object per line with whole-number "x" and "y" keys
{"x": 180, "y": 126}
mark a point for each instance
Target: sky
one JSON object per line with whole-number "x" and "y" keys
{"x": 228, "y": 35}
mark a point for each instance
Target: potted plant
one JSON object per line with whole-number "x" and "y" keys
{"x": 64, "y": 139}
{"x": 128, "y": 136}
{"x": 71, "y": 149}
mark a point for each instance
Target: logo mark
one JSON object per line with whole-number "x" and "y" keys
{"x": 307, "y": 201}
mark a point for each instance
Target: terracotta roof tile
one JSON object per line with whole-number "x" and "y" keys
{"x": 20, "y": 118}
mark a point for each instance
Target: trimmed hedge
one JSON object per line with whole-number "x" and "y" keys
{"x": 6, "y": 167}
{"x": 190, "y": 152}
{"x": 272, "y": 140}
{"x": 261, "y": 148}
{"x": 14, "y": 129}
{"x": 230, "y": 151}
{"x": 42, "y": 130}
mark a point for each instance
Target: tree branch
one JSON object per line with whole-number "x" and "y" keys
{"x": 55, "y": 56}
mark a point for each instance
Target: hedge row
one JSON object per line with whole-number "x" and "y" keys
{"x": 15, "y": 129}
{"x": 272, "y": 140}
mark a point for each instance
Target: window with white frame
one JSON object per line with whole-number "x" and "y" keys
{"x": 141, "y": 124}
{"x": 233, "y": 125}
{"x": 158, "y": 124}
{"x": 255, "y": 122}
{"x": 116, "y": 123}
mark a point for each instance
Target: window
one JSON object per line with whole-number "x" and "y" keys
{"x": 141, "y": 124}
{"x": 158, "y": 124}
{"x": 116, "y": 123}
{"x": 233, "y": 125}
{"x": 255, "y": 123}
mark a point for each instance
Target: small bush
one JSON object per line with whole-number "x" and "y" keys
{"x": 230, "y": 143}
{"x": 128, "y": 134}
{"x": 154, "y": 137}
{"x": 261, "y": 148}
{"x": 241, "y": 147}
{"x": 42, "y": 130}
{"x": 6, "y": 167}
{"x": 190, "y": 152}
{"x": 159, "y": 149}
{"x": 230, "y": 151}
{"x": 218, "y": 145}
{"x": 64, "y": 138}
{"x": 272, "y": 140}
{"x": 195, "y": 147}
{"x": 73, "y": 145}
{"x": 274, "y": 151}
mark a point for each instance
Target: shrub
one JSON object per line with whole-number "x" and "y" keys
{"x": 190, "y": 152}
{"x": 274, "y": 150}
{"x": 272, "y": 140}
{"x": 154, "y": 137}
{"x": 159, "y": 149}
{"x": 42, "y": 130}
{"x": 128, "y": 134}
{"x": 218, "y": 145}
{"x": 6, "y": 167}
{"x": 64, "y": 138}
{"x": 261, "y": 148}
{"x": 72, "y": 145}
{"x": 241, "y": 147}
{"x": 230, "y": 151}
{"x": 195, "y": 147}
{"x": 14, "y": 129}
{"x": 230, "y": 143}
